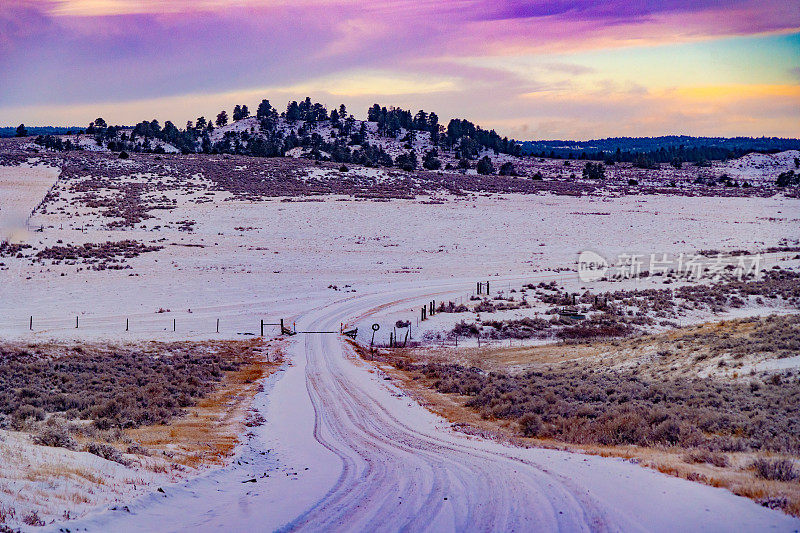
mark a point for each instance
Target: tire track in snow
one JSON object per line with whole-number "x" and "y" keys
{"x": 376, "y": 461}
{"x": 396, "y": 478}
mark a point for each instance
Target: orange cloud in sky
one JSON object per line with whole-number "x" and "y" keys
{"x": 730, "y": 93}
{"x": 580, "y": 67}
{"x": 90, "y": 8}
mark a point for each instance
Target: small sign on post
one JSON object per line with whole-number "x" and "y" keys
{"x": 375, "y": 327}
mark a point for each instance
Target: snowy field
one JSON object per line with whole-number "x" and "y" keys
{"x": 21, "y": 189}
{"x": 322, "y": 261}
{"x": 243, "y": 261}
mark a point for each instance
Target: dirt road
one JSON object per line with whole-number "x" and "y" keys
{"x": 345, "y": 450}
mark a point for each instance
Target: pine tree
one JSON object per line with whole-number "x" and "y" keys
{"x": 264, "y": 109}
{"x": 507, "y": 169}
{"x": 431, "y": 160}
{"x": 485, "y": 166}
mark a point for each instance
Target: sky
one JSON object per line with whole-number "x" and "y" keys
{"x": 558, "y": 69}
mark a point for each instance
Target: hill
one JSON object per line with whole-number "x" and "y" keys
{"x": 393, "y": 137}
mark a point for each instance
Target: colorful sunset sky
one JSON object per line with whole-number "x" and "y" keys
{"x": 564, "y": 69}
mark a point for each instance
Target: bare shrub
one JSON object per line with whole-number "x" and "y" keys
{"x": 106, "y": 452}
{"x": 116, "y": 387}
{"x": 530, "y": 425}
{"x": 775, "y": 469}
{"x": 706, "y": 456}
{"x": 7, "y": 513}
{"x": 56, "y": 436}
{"x": 623, "y": 407}
{"x": 137, "y": 449}
{"x": 22, "y": 413}
{"x": 32, "y": 519}
{"x": 451, "y": 307}
{"x": 772, "y": 502}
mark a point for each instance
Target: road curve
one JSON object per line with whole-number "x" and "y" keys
{"x": 345, "y": 450}
{"x": 399, "y": 477}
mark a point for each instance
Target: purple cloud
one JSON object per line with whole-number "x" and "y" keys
{"x": 62, "y": 60}
{"x": 608, "y": 10}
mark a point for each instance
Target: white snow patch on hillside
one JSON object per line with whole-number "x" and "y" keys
{"x": 22, "y": 187}
{"x": 249, "y": 125}
{"x": 761, "y": 167}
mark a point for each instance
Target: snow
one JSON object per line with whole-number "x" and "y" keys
{"x": 297, "y": 249}
{"x": 248, "y": 124}
{"x": 87, "y": 142}
{"x": 761, "y": 167}
{"x": 379, "y": 459}
{"x": 22, "y": 187}
{"x": 377, "y": 174}
{"x": 70, "y": 479}
{"x": 366, "y": 445}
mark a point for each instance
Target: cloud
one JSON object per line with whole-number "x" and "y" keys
{"x": 590, "y": 9}
{"x": 61, "y": 56}
{"x": 569, "y": 68}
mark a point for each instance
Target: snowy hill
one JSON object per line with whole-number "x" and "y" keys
{"x": 755, "y": 166}
{"x": 396, "y": 138}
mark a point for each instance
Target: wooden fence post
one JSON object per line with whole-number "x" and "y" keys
{"x": 126, "y": 324}
{"x": 262, "y": 327}
{"x": 173, "y": 325}
{"x": 31, "y": 324}
{"x": 218, "y": 325}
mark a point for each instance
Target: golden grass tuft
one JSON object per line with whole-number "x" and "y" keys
{"x": 210, "y": 430}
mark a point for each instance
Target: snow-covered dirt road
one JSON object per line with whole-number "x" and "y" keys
{"x": 344, "y": 450}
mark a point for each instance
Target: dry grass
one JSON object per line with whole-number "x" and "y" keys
{"x": 203, "y": 434}
{"x": 734, "y": 470}
{"x": 47, "y": 472}
{"x": 210, "y": 430}
{"x": 725, "y": 348}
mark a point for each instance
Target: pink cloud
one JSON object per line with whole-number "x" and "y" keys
{"x": 164, "y": 49}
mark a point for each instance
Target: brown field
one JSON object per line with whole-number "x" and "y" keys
{"x": 210, "y": 430}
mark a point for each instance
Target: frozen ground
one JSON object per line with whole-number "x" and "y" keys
{"x": 380, "y": 461}
{"x": 243, "y": 261}
{"x": 21, "y": 189}
{"x": 761, "y": 167}
{"x": 374, "y": 457}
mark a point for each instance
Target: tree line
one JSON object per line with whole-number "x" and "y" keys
{"x": 348, "y": 140}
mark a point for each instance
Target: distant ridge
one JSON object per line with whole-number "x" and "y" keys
{"x": 11, "y": 131}
{"x": 735, "y": 145}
